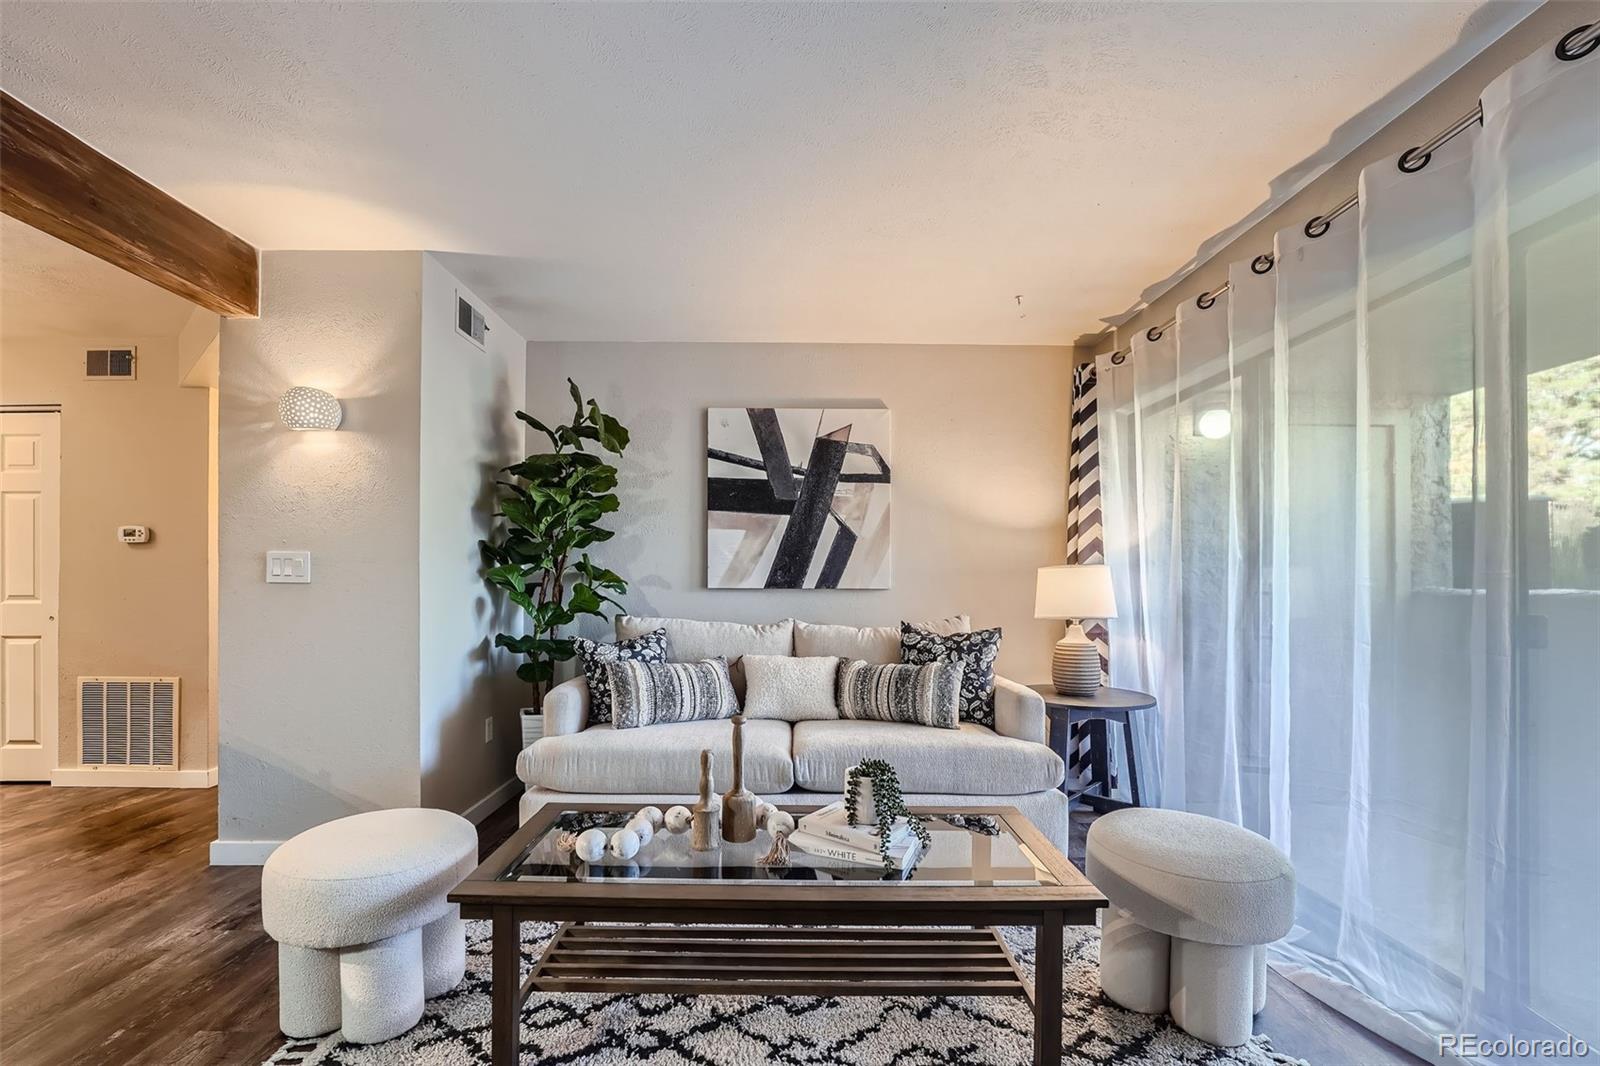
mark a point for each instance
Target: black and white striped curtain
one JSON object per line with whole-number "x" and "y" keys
{"x": 1085, "y": 542}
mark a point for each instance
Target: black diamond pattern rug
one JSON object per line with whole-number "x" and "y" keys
{"x": 663, "y": 1030}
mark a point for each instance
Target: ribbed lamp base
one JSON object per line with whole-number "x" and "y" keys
{"x": 1075, "y": 666}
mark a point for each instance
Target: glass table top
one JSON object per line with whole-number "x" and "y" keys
{"x": 973, "y": 850}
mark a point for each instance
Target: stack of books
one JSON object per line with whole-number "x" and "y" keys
{"x": 828, "y": 834}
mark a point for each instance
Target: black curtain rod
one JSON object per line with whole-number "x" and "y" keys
{"x": 1576, "y": 44}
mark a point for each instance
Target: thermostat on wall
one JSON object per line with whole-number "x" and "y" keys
{"x": 133, "y": 534}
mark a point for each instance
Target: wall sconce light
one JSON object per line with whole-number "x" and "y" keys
{"x": 303, "y": 407}
{"x": 1213, "y": 423}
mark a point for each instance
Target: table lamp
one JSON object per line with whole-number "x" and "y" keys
{"x": 1075, "y": 592}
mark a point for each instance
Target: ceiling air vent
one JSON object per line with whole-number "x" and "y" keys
{"x": 109, "y": 364}
{"x": 469, "y": 321}
{"x": 128, "y": 721}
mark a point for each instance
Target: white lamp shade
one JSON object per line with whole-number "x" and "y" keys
{"x": 303, "y": 407}
{"x": 1075, "y": 591}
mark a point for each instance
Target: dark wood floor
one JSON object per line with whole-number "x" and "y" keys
{"x": 119, "y": 944}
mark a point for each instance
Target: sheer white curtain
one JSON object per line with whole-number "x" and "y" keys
{"x": 1355, "y": 507}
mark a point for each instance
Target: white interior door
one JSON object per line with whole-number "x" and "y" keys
{"x": 30, "y": 593}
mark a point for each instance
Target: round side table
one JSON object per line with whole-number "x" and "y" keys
{"x": 1104, "y": 705}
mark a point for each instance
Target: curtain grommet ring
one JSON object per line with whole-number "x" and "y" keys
{"x": 1205, "y": 301}
{"x": 1153, "y": 334}
{"x": 1261, "y": 264}
{"x": 1317, "y": 227}
{"x": 1566, "y": 53}
{"x": 1411, "y": 160}
{"x": 1118, "y": 358}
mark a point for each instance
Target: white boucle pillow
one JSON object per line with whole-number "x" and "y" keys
{"x": 790, "y": 689}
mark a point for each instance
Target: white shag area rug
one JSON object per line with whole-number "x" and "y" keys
{"x": 666, "y": 1030}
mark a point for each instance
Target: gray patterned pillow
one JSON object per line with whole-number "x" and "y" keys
{"x": 979, "y": 650}
{"x": 650, "y": 648}
{"x": 661, "y": 693}
{"x": 893, "y": 692}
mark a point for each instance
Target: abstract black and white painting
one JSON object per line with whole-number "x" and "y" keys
{"x": 798, "y": 498}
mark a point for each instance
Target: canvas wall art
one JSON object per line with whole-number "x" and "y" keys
{"x": 798, "y": 498}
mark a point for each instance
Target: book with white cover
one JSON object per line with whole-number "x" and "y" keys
{"x": 904, "y": 856}
{"x": 833, "y": 822}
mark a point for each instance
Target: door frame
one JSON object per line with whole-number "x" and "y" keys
{"x": 50, "y": 576}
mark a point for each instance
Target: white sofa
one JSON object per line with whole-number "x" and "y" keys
{"x": 802, "y": 762}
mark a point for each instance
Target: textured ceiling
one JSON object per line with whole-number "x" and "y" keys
{"x": 51, "y": 289}
{"x": 782, "y": 172}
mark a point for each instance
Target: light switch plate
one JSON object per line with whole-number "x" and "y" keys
{"x": 288, "y": 568}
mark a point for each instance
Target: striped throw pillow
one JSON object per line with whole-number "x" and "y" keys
{"x": 597, "y": 659}
{"x": 894, "y": 692}
{"x": 661, "y": 693}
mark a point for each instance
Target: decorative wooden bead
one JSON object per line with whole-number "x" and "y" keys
{"x": 652, "y": 815}
{"x": 642, "y": 829}
{"x": 677, "y": 819}
{"x": 763, "y": 813}
{"x": 624, "y": 844}
{"x": 591, "y": 845}
{"x": 780, "y": 822}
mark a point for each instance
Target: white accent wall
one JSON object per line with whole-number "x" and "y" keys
{"x": 364, "y": 688}
{"x": 979, "y": 476}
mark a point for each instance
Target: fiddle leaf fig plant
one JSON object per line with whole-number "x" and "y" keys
{"x": 552, "y": 503}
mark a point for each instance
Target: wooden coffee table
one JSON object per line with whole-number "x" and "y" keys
{"x": 700, "y": 922}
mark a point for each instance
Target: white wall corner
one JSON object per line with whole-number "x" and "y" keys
{"x": 242, "y": 852}
{"x": 130, "y": 777}
{"x": 502, "y": 795}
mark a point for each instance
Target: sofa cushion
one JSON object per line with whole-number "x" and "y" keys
{"x": 870, "y": 644}
{"x": 660, "y": 759}
{"x": 972, "y": 760}
{"x": 789, "y": 689}
{"x": 689, "y": 640}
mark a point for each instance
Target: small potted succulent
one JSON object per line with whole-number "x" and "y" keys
{"x": 872, "y": 796}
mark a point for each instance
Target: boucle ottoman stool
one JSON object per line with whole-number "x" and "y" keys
{"x": 364, "y": 932}
{"x": 1194, "y": 902}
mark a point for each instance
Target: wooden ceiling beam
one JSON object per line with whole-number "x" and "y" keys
{"x": 56, "y": 183}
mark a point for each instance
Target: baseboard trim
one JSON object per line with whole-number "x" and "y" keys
{"x": 131, "y": 777}
{"x": 242, "y": 852}
{"x": 493, "y": 801}
{"x": 255, "y": 852}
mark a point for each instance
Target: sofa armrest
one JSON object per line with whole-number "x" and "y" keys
{"x": 566, "y": 708}
{"x": 1018, "y": 711}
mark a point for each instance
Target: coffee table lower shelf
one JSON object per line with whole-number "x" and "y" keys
{"x": 778, "y": 961}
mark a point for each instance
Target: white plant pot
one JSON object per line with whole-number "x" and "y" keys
{"x": 866, "y": 801}
{"x": 532, "y": 722}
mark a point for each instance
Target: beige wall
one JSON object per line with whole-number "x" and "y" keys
{"x": 133, "y": 452}
{"x": 980, "y": 441}
{"x": 1456, "y": 96}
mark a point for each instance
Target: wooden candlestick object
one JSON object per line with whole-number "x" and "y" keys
{"x": 739, "y": 804}
{"x": 705, "y": 825}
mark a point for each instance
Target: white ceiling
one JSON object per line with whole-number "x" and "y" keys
{"x": 50, "y": 289}
{"x": 744, "y": 172}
